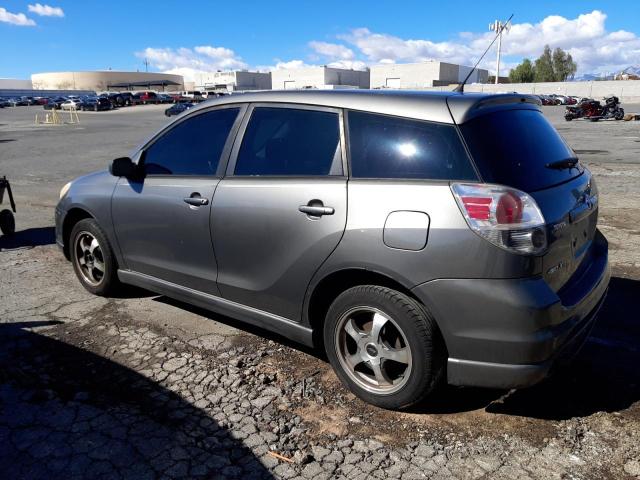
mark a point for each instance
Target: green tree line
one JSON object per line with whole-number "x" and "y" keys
{"x": 556, "y": 66}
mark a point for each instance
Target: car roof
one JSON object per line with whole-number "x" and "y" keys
{"x": 437, "y": 106}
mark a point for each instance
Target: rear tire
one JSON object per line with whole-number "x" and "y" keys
{"x": 384, "y": 346}
{"x": 93, "y": 259}
{"x": 7, "y": 222}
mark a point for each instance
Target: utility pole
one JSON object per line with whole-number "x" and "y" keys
{"x": 146, "y": 65}
{"x": 499, "y": 27}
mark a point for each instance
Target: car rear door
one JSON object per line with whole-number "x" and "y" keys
{"x": 281, "y": 209}
{"x": 162, "y": 220}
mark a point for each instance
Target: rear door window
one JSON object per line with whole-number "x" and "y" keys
{"x": 383, "y": 146}
{"x": 192, "y": 147}
{"x": 290, "y": 142}
{"x": 514, "y": 147}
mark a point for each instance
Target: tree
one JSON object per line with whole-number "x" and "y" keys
{"x": 523, "y": 73}
{"x": 544, "y": 67}
{"x": 563, "y": 65}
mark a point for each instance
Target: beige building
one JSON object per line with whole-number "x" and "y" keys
{"x": 107, "y": 80}
{"x": 230, "y": 81}
{"x": 423, "y": 75}
{"x": 319, "y": 77}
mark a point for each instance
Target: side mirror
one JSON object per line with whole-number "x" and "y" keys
{"x": 123, "y": 167}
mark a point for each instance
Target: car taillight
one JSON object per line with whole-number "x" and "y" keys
{"x": 504, "y": 216}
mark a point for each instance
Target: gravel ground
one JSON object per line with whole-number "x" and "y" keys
{"x": 145, "y": 387}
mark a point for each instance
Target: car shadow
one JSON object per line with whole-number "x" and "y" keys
{"x": 243, "y": 326}
{"x": 31, "y": 237}
{"x": 605, "y": 375}
{"x": 66, "y": 412}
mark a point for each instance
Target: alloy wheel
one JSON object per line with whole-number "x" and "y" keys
{"x": 373, "y": 350}
{"x": 89, "y": 258}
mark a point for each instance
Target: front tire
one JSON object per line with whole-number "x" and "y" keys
{"x": 7, "y": 222}
{"x": 93, "y": 259}
{"x": 384, "y": 346}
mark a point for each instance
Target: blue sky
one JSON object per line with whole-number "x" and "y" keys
{"x": 187, "y": 37}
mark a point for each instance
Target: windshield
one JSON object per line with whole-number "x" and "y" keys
{"x": 519, "y": 148}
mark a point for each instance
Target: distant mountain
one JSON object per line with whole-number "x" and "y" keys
{"x": 633, "y": 70}
{"x": 585, "y": 77}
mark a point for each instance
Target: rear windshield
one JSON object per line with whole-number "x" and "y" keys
{"x": 514, "y": 147}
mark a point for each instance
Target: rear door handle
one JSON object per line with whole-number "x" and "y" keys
{"x": 316, "y": 211}
{"x": 196, "y": 200}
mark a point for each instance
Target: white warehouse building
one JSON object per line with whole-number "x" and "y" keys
{"x": 423, "y": 75}
{"x": 319, "y": 77}
{"x": 232, "y": 81}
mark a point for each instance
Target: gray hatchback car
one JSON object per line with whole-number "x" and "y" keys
{"x": 417, "y": 237}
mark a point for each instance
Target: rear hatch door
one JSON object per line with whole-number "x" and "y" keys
{"x": 518, "y": 147}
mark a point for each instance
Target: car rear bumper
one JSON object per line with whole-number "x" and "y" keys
{"x": 509, "y": 333}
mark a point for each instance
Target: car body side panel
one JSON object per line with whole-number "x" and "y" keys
{"x": 452, "y": 249}
{"x": 161, "y": 235}
{"x": 266, "y": 248}
{"x": 91, "y": 193}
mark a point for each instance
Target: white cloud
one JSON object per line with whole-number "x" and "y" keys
{"x": 19, "y": 19}
{"x": 280, "y": 65}
{"x": 332, "y": 50}
{"x": 46, "y": 10}
{"x": 190, "y": 62}
{"x": 584, "y": 37}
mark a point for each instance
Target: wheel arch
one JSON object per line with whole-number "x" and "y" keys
{"x": 326, "y": 290}
{"x": 73, "y": 216}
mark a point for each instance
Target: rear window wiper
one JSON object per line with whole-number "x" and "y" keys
{"x": 562, "y": 164}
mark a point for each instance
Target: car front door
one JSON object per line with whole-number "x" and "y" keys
{"x": 281, "y": 209}
{"x": 162, "y": 219}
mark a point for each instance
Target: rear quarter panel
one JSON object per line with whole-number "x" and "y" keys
{"x": 452, "y": 250}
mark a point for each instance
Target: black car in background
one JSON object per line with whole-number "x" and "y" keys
{"x": 54, "y": 103}
{"x": 17, "y": 102}
{"x": 177, "y": 108}
{"x": 126, "y": 98}
{"x": 95, "y": 103}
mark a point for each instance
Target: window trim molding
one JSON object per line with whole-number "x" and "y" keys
{"x": 233, "y": 158}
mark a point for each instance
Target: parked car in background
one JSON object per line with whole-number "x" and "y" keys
{"x": 17, "y": 102}
{"x": 165, "y": 98}
{"x": 70, "y": 104}
{"x": 116, "y": 100}
{"x": 148, "y": 97}
{"x": 135, "y": 99}
{"x": 95, "y": 103}
{"x": 394, "y": 230}
{"x": 126, "y": 98}
{"x": 192, "y": 94}
{"x": 177, "y": 108}
{"x": 54, "y": 103}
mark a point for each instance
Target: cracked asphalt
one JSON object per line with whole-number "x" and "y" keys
{"x": 144, "y": 387}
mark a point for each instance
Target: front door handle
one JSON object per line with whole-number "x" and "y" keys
{"x": 316, "y": 210}
{"x": 196, "y": 200}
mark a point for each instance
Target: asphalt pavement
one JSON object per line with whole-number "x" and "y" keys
{"x": 145, "y": 387}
